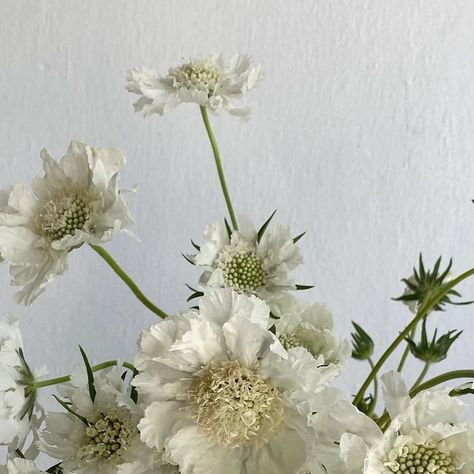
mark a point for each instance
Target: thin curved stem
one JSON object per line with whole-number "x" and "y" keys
{"x": 95, "y": 368}
{"x": 440, "y": 379}
{"x": 220, "y": 170}
{"x": 406, "y": 352}
{"x": 422, "y": 375}
{"x": 422, "y": 312}
{"x": 128, "y": 281}
{"x": 373, "y": 403}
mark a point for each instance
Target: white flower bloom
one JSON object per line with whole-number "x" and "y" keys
{"x": 309, "y": 326}
{"x": 212, "y": 82}
{"x": 104, "y": 436}
{"x": 17, "y": 404}
{"x": 245, "y": 264}
{"x": 223, "y": 394}
{"x": 427, "y": 434}
{"x": 20, "y": 466}
{"x": 77, "y": 201}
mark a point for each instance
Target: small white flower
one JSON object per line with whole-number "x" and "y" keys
{"x": 212, "y": 82}
{"x": 427, "y": 433}
{"x": 246, "y": 264}
{"x": 223, "y": 394}
{"x": 77, "y": 201}
{"x": 17, "y": 398}
{"x": 106, "y": 438}
{"x": 309, "y": 326}
{"x": 20, "y": 466}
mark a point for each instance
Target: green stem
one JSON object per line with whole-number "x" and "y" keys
{"x": 422, "y": 375}
{"x": 373, "y": 403}
{"x": 128, "y": 281}
{"x": 220, "y": 170}
{"x": 422, "y": 312}
{"x": 95, "y": 368}
{"x": 405, "y": 353}
{"x": 440, "y": 379}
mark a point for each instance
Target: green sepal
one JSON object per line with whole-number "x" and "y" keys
{"x": 228, "y": 228}
{"x": 133, "y": 391}
{"x": 298, "y": 237}
{"x": 264, "y": 227}
{"x": 196, "y": 246}
{"x": 188, "y": 259}
{"x": 304, "y": 287}
{"x": 71, "y": 411}
{"x": 90, "y": 375}
{"x": 464, "y": 389}
{"x": 362, "y": 343}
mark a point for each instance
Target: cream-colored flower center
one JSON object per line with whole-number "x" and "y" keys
{"x": 290, "y": 341}
{"x": 423, "y": 459}
{"x": 234, "y": 405}
{"x": 244, "y": 272}
{"x": 64, "y": 215}
{"x": 201, "y": 75}
{"x": 107, "y": 436}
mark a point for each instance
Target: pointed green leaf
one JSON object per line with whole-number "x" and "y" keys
{"x": 70, "y": 410}
{"x": 298, "y": 237}
{"x": 228, "y": 229}
{"x": 264, "y": 227}
{"x": 196, "y": 246}
{"x": 90, "y": 374}
{"x": 304, "y": 287}
{"x": 188, "y": 259}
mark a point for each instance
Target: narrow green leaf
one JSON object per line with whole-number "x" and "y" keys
{"x": 90, "y": 374}
{"x": 70, "y": 410}
{"x": 264, "y": 227}
{"x": 298, "y": 237}
{"x": 196, "y": 294}
{"x": 133, "y": 392}
{"x": 196, "y": 246}
{"x": 304, "y": 287}
{"x": 188, "y": 259}
{"x": 229, "y": 230}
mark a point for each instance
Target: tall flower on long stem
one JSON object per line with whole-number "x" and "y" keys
{"x": 77, "y": 201}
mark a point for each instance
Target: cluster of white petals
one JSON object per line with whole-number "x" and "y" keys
{"x": 224, "y": 395}
{"x": 104, "y": 437}
{"x": 15, "y": 406}
{"x": 212, "y": 82}
{"x": 77, "y": 201}
{"x": 247, "y": 264}
{"x": 20, "y": 466}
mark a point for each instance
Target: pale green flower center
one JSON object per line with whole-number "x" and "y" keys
{"x": 290, "y": 341}
{"x": 64, "y": 216}
{"x": 422, "y": 459}
{"x": 201, "y": 75}
{"x": 107, "y": 436}
{"x": 234, "y": 405}
{"x": 244, "y": 272}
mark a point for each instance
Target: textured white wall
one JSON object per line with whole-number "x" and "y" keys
{"x": 362, "y": 135}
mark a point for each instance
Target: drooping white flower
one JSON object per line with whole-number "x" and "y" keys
{"x": 17, "y": 397}
{"x": 426, "y": 433}
{"x": 309, "y": 326}
{"x": 211, "y": 81}
{"x": 223, "y": 394}
{"x": 20, "y": 466}
{"x": 77, "y": 201}
{"x": 102, "y": 435}
{"x": 247, "y": 264}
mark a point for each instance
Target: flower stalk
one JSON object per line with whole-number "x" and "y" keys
{"x": 220, "y": 169}
{"x": 128, "y": 281}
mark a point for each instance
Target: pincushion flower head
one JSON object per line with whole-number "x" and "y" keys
{"x": 77, "y": 201}
{"x": 17, "y": 393}
{"x": 223, "y": 394}
{"x": 247, "y": 261}
{"x": 99, "y": 433}
{"x": 301, "y": 324}
{"x": 427, "y": 435}
{"x": 212, "y": 82}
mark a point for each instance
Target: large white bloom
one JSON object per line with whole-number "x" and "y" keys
{"x": 104, "y": 436}
{"x": 224, "y": 395}
{"x": 301, "y": 324}
{"x": 427, "y": 434}
{"x": 16, "y": 403}
{"x": 20, "y": 466}
{"x": 77, "y": 201}
{"x": 247, "y": 264}
{"x": 212, "y": 82}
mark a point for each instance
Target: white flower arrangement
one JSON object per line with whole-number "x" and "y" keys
{"x": 244, "y": 381}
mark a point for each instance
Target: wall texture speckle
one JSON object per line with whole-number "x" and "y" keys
{"x": 362, "y": 135}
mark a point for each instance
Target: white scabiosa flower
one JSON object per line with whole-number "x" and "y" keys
{"x": 212, "y": 82}
{"x": 77, "y": 201}
{"x": 247, "y": 262}
{"x": 20, "y": 466}
{"x": 17, "y": 395}
{"x": 223, "y": 394}
{"x": 427, "y": 436}
{"x": 100, "y": 435}
{"x": 301, "y": 324}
